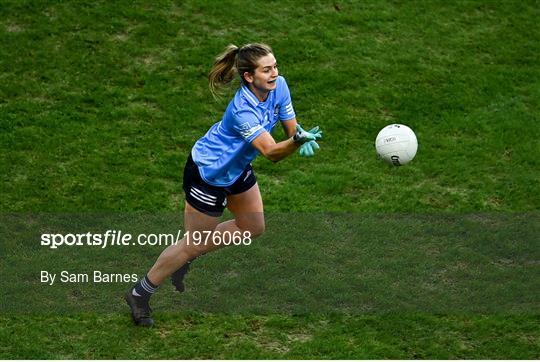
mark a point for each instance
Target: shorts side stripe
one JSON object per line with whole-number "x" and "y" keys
{"x": 201, "y": 200}
{"x": 202, "y": 194}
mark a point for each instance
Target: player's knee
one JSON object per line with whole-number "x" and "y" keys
{"x": 256, "y": 229}
{"x": 252, "y": 223}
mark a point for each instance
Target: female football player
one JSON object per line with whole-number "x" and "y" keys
{"x": 218, "y": 171}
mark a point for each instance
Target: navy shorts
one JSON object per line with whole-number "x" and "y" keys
{"x": 210, "y": 199}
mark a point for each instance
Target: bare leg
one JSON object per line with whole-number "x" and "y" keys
{"x": 247, "y": 208}
{"x": 174, "y": 256}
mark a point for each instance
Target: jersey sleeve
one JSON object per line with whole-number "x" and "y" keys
{"x": 286, "y": 110}
{"x": 246, "y": 123}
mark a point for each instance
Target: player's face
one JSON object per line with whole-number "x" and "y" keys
{"x": 263, "y": 80}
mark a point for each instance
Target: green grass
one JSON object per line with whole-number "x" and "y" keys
{"x": 101, "y": 102}
{"x": 186, "y": 336}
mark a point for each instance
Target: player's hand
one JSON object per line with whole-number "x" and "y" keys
{"x": 301, "y": 136}
{"x": 308, "y": 148}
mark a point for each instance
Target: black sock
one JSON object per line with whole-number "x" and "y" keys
{"x": 144, "y": 288}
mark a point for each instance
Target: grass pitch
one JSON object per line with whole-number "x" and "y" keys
{"x": 100, "y": 104}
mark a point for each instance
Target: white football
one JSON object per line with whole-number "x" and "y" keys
{"x": 396, "y": 144}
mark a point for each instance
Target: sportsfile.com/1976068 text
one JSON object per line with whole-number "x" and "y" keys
{"x": 120, "y": 238}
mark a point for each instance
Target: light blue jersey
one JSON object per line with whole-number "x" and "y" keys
{"x": 225, "y": 150}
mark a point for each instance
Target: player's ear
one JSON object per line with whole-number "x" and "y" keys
{"x": 248, "y": 77}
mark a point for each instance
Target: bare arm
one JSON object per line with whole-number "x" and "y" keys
{"x": 289, "y": 127}
{"x": 273, "y": 151}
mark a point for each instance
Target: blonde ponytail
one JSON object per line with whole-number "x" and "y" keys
{"x": 224, "y": 69}
{"x": 235, "y": 61}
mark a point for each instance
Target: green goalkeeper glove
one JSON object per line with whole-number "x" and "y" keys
{"x": 308, "y": 148}
{"x": 301, "y": 136}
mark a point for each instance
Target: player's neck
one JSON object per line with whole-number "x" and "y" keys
{"x": 260, "y": 94}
